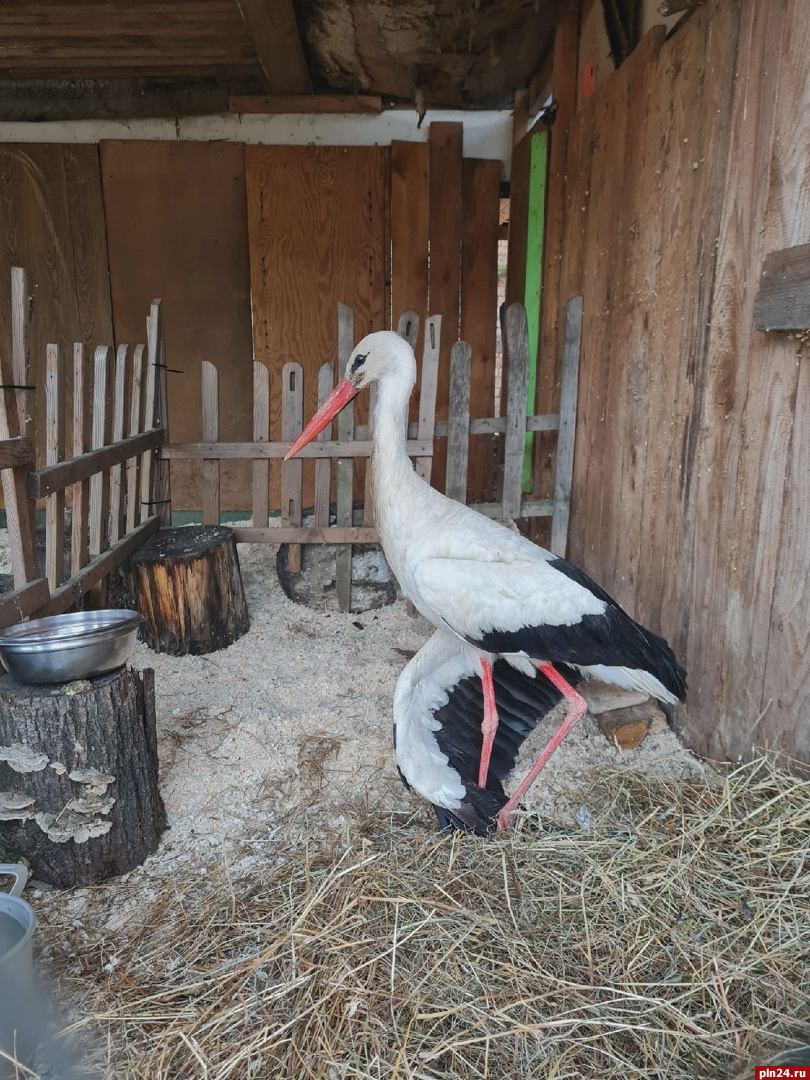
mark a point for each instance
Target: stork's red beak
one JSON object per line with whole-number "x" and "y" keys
{"x": 340, "y": 397}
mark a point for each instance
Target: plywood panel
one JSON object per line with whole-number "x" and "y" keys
{"x": 690, "y": 493}
{"x": 479, "y": 310}
{"x": 52, "y": 224}
{"x": 410, "y": 204}
{"x": 317, "y": 237}
{"x": 444, "y": 281}
{"x": 177, "y": 229}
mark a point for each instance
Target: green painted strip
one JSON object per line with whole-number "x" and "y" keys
{"x": 538, "y": 171}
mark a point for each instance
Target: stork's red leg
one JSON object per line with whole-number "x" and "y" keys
{"x": 576, "y": 709}
{"x": 490, "y": 722}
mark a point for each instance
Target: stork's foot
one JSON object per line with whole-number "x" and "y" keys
{"x": 577, "y": 707}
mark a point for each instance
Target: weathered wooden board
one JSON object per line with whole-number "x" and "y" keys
{"x": 564, "y": 87}
{"x": 316, "y": 220}
{"x": 52, "y": 225}
{"x": 690, "y": 482}
{"x": 410, "y": 204}
{"x": 479, "y": 315}
{"x": 177, "y": 229}
{"x": 445, "y": 235}
{"x": 783, "y": 301}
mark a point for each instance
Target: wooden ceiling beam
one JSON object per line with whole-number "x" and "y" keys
{"x": 274, "y": 32}
{"x": 119, "y": 98}
{"x": 305, "y": 103}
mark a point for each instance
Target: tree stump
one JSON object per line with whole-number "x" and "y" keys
{"x": 79, "y": 794}
{"x": 187, "y": 585}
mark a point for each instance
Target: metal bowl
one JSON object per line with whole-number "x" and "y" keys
{"x": 62, "y": 648}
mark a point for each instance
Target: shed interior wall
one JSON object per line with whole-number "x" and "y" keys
{"x": 684, "y": 169}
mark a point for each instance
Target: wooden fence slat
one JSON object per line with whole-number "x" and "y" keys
{"x": 292, "y": 422}
{"x": 427, "y": 391}
{"x": 95, "y": 573}
{"x": 359, "y": 534}
{"x": 536, "y": 508}
{"x": 162, "y": 482}
{"x": 408, "y": 327}
{"x": 117, "y": 471}
{"x": 516, "y": 348}
{"x": 261, "y": 433}
{"x": 16, "y": 421}
{"x": 20, "y": 350}
{"x": 210, "y": 433}
{"x": 15, "y": 452}
{"x": 458, "y": 423}
{"x": 53, "y": 477}
{"x": 323, "y": 466}
{"x": 54, "y": 452}
{"x": 133, "y": 515}
{"x": 568, "y": 420}
{"x": 272, "y": 450}
{"x": 345, "y": 471}
{"x": 27, "y": 600}
{"x": 368, "y": 498}
{"x": 490, "y": 425}
{"x": 100, "y": 481}
{"x": 80, "y": 494}
{"x": 149, "y": 412}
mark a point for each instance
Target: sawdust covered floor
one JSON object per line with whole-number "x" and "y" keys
{"x": 300, "y": 891}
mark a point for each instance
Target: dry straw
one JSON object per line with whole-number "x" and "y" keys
{"x": 668, "y": 939}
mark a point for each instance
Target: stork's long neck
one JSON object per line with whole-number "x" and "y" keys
{"x": 392, "y": 474}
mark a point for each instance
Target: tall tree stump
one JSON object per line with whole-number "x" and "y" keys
{"x": 79, "y": 794}
{"x": 187, "y": 585}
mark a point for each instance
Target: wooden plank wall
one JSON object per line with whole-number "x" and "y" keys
{"x": 177, "y": 230}
{"x": 447, "y": 206}
{"x": 316, "y": 219}
{"x": 691, "y": 501}
{"x": 52, "y": 225}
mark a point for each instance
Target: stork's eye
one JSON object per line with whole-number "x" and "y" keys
{"x": 358, "y": 362}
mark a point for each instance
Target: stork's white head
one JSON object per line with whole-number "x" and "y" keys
{"x": 380, "y": 355}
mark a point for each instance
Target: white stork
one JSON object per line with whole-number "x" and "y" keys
{"x": 491, "y": 588}
{"x": 438, "y": 709}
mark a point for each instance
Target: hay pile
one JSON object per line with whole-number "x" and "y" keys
{"x": 671, "y": 939}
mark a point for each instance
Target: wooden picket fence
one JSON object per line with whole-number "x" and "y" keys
{"x": 119, "y": 489}
{"x": 119, "y": 472}
{"x": 353, "y": 441}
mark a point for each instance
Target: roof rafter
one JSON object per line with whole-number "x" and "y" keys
{"x": 274, "y": 32}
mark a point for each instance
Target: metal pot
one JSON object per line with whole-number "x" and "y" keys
{"x": 17, "y": 922}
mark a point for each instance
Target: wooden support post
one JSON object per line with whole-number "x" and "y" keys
{"x": 516, "y": 354}
{"x": 427, "y": 391}
{"x": 83, "y": 768}
{"x": 54, "y": 452}
{"x": 80, "y": 492}
{"x": 533, "y": 288}
{"x": 117, "y": 471}
{"x": 292, "y": 424}
{"x": 162, "y": 485}
{"x": 16, "y": 420}
{"x": 210, "y": 433}
{"x": 323, "y": 466}
{"x": 133, "y": 514}
{"x": 100, "y": 482}
{"x": 149, "y": 408}
{"x": 568, "y": 422}
{"x": 458, "y": 422}
{"x": 345, "y": 470}
{"x": 261, "y": 433}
